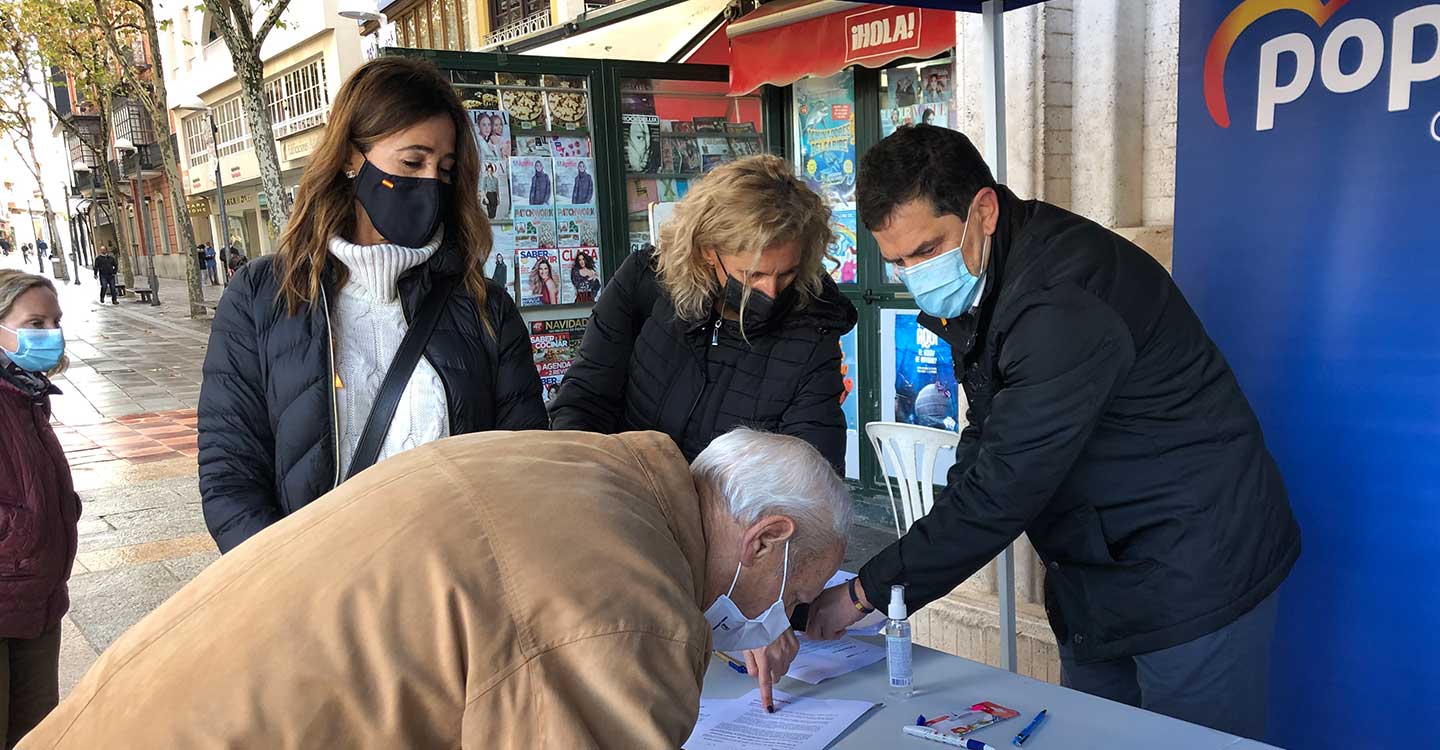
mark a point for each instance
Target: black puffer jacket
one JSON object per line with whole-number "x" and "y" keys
{"x": 1105, "y": 423}
{"x": 267, "y": 409}
{"x": 642, "y": 368}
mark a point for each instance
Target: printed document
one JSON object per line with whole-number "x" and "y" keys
{"x": 797, "y": 724}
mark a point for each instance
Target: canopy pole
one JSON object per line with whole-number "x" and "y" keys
{"x": 992, "y": 14}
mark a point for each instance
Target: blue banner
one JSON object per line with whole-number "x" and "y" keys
{"x": 1306, "y": 238}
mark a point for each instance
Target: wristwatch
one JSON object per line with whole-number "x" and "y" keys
{"x": 855, "y": 599}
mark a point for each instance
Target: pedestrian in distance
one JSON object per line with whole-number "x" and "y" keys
{"x": 106, "y": 268}
{"x": 41, "y": 509}
{"x": 382, "y": 241}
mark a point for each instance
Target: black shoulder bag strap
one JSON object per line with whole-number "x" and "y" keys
{"x": 398, "y": 376}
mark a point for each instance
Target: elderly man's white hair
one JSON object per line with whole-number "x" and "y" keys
{"x": 762, "y": 474}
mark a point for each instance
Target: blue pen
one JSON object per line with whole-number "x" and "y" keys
{"x": 1031, "y": 727}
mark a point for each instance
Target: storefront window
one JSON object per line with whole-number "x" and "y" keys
{"x": 916, "y": 93}
{"x": 673, "y": 132}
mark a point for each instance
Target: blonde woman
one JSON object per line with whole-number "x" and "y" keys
{"x": 387, "y": 224}
{"x": 38, "y": 506}
{"x": 732, "y": 321}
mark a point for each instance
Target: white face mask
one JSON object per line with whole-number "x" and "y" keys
{"x": 731, "y": 630}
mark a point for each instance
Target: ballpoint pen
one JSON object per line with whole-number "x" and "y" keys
{"x": 947, "y": 739}
{"x": 1031, "y": 727}
{"x": 732, "y": 662}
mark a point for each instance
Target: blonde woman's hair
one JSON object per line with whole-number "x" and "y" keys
{"x": 741, "y": 209}
{"x": 14, "y": 283}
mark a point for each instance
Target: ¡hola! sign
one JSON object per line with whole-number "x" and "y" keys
{"x": 883, "y": 31}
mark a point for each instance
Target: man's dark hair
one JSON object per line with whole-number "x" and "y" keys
{"x": 920, "y": 161}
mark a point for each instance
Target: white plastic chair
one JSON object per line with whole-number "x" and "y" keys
{"x": 910, "y": 452}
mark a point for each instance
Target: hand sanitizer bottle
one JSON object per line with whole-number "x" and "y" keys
{"x": 897, "y": 645}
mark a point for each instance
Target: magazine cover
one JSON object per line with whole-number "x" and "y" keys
{"x": 687, "y": 155}
{"x": 671, "y": 191}
{"x": 714, "y": 146}
{"x": 935, "y": 81}
{"x": 475, "y": 89}
{"x": 641, "y": 132}
{"x": 532, "y": 145}
{"x": 495, "y": 189}
{"x": 744, "y": 141}
{"x": 526, "y": 107}
{"x": 824, "y": 108}
{"x": 640, "y": 193}
{"x": 842, "y": 261}
{"x": 556, "y": 345}
{"x": 903, "y": 86}
{"x": 492, "y": 133}
{"x": 579, "y": 275}
{"x": 565, "y": 99}
{"x": 569, "y": 146}
{"x": 500, "y": 267}
{"x": 539, "y": 272}
{"x": 532, "y": 195}
{"x": 638, "y": 240}
{"x": 669, "y": 155}
{"x": 576, "y": 217}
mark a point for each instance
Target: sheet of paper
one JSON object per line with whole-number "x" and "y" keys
{"x": 797, "y": 724}
{"x": 820, "y": 660}
{"x": 871, "y": 624}
{"x": 710, "y": 708}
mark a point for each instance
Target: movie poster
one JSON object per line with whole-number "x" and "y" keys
{"x": 824, "y": 109}
{"x": 495, "y": 189}
{"x": 539, "y": 273}
{"x": 576, "y": 217}
{"x": 842, "y": 263}
{"x": 556, "y": 345}
{"x": 579, "y": 275}
{"x": 641, "y": 131}
{"x": 500, "y": 266}
{"x": 492, "y": 133}
{"x": 532, "y": 195}
{"x": 926, "y": 393}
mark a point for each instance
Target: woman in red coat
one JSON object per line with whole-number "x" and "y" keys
{"x": 39, "y": 509}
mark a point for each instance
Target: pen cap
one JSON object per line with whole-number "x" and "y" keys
{"x": 897, "y": 604}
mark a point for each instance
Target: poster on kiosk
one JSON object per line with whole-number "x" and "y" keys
{"x": 1306, "y": 237}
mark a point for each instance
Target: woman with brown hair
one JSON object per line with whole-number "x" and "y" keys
{"x": 382, "y": 261}
{"x": 38, "y": 506}
{"x": 732, "y": 321}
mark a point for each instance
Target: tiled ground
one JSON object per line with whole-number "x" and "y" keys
{"x": 137, "y": 438}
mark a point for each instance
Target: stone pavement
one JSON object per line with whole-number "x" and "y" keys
{"x": 127, "y": 422}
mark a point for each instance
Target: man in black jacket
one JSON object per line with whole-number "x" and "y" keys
{"x": 1103, "y": 422}
{"x": 105, "y": 269}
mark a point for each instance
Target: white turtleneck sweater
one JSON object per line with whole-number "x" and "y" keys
{"x": 368, "y": 324}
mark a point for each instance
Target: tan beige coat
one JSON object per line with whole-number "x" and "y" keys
{"x": 497, "y": 590}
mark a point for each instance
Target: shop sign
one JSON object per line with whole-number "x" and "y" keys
{"x": 299, "y": 147}
{"x": 197, "y": 206}
{"x": 243, "y": 202}
{"x": 883, "y": 31}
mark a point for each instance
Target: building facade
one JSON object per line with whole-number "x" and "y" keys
{"x": 305, "y": 62}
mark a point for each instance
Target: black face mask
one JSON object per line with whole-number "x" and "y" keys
{"x": 758, "y": 308}
{"x": 404, "y": 210}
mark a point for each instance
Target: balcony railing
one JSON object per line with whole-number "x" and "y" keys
{"x": 531, "y": 24}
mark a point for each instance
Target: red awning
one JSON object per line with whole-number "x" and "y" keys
{"x": 827, "y": 36}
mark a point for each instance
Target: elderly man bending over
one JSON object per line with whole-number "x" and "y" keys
{"x": 495, "y": 590}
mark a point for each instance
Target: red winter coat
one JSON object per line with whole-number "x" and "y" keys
{"x": 39, "y": 510}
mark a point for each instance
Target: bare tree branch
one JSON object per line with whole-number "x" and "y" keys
{"x": 270, "y": 21}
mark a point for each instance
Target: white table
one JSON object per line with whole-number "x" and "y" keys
{"x": 1076, "y": 721}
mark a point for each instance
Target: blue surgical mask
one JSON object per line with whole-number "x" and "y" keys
{"x": 942, "y": 285}
{"x": 38, "y": 349}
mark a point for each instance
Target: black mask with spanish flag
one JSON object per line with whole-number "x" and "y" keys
{"x": 404, "y": 210}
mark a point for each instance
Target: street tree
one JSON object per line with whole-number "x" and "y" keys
{"x": 124, "y": 24}
{"x": 66, "y": 36}
{"x": 236, "y": 21}
{"x": 17, "y": 122}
